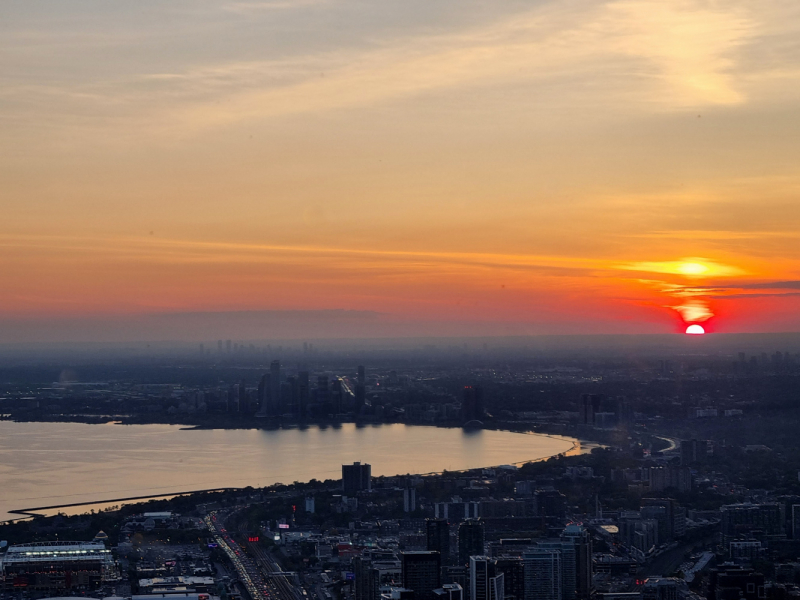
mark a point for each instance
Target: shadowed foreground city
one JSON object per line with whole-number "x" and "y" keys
{"x": 673, "y": 472}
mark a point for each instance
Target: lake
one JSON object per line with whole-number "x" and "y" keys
{"x": 44, "y": 464}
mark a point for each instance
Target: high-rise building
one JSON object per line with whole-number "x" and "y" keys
{"x": 551, "y": 503}
{"x": 581, "y": 539}
{"x": 233, "y": 398}
{"x": 472, "y": 403}
{"x": 367, "y": 579}
{"x": 693, "y": 451}
{"x": 670, "y": 517}
{"x": 456, "y": 510}
{"x": 356, "y": 477}
{"x": 362, "y": 377}
{"x": 409, "y": 499}
{"x": 567, "y": 552}
{"x": 438, "y": 538}
{"x": 513, "y": 576}
{"x": 661, "y": 588}
{"x": 275, "y": 388}
{"x": 337, "y": 395}
{"x": 485, "y": 583}
{"x": 263, "y": 395}
{"x": 795, "y": 521}
{"x": 422, "y": 573}
{"x": 740, "y": 519}
{"x": 303, "y": 393}
{"x": 450, "y": 591}
{"x": 542, "y": 570}
{"x": 590, "y": 406}
{"x": 322, "y": 395}
{"x": 471, "y": 537}
{"x": 244, "y": 405}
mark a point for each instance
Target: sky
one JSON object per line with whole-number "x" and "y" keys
{"x": 402, "y": 167}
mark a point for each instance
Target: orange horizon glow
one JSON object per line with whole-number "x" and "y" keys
{"x": 409, "y": 170}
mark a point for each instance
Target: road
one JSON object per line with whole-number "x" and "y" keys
{"x": 284, "y": 589}
{"x": 259, "y": 572}
{"x": 248, "y": 571}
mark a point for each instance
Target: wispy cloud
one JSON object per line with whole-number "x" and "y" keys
{"x": 632, "y": 54}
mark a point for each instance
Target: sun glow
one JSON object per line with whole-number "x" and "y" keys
{"x": 692, "y": 268}
{"x": 695, "y": 330}
{"x": 688, "y": 267}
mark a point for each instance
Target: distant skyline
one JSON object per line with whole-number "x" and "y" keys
{"x": 356, "y": 169}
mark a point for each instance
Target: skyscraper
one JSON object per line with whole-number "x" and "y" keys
{"x": 567, "y": 553}
{"x": 472, "y": 403}
{"x": 471, "y": 536}
{"x": 422, "y": 573}
{"x": 356, "y": 477}
{"x": 302, "y": 393}
{"x": 263, "y": 395}
{"x": 485, "y": 583}
{"x": 438, "y": 538}
{"x": 542, "y": 570}
{"x": 513, "y": 576}
{"x": 275, "y": 388}
{"x": 582, "y": 541}
{"x": 337, "y": 395}
{"x": 366, "y": 579}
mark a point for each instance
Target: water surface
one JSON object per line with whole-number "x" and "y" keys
{"x": 44, "y": 464}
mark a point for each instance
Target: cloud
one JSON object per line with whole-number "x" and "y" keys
{"x": 687, "y": 267}
{"x": 632, "y": 55}
{"x": 248, "y": 8}
{"x": 772, "y": 285}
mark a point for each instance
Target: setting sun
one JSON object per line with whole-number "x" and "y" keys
{"x": 695, "y": 330}
{"x": 692, "y": 268}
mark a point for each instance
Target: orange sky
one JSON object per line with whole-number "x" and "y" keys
{"x": 534, "y": 167}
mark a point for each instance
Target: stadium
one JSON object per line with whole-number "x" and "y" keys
{"x": 56, "y": 566}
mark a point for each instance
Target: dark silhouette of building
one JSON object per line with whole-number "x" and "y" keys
{"x": 322, "y": 399}
{"x": 485, "y": 583}
{"x": 361, "y": 389}
{"x": 590, "y": 406}
{"x": 244, "y": 404}
{"x": 542, "y": 570}
{"x": 729, "y": 582}
{"x": 356, "y": 477}
{"x": 742, "y": 519}
{"x": 513, "y": 576}
{"x": 551, "y": 503}
{"x": 367, "y": 579}
{"x": 422, "y": 573}
{"x": 471, "y": 538}
{"x": 580, "y": 538}
{"x": 274, "y": 403}
{"x": 472, "y": 403}
{"x": 303, "y": 393}
{"x": 263, "y": 395}
{"x": 438, "y": 538}
{"x": 450, "y": 591}
{"x": 337, "y": 396}
{"x": 694, "y": 451}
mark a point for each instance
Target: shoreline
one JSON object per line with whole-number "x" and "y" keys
{"x": 579, "y": 446}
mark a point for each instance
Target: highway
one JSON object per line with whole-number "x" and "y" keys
{"x": 284, "y": 589}
{"x": 249, "y": 573}
{"x": 260, "y": 574}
